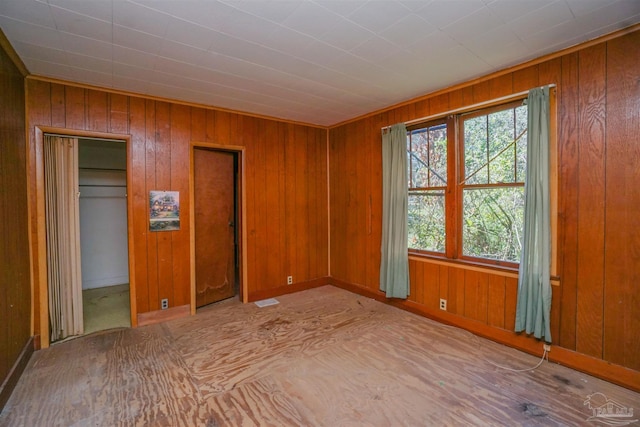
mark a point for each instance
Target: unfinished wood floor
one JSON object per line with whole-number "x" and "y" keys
{"x": 323, "y": 357}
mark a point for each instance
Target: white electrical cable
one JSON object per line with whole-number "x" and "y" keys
{"x": 545, "y": 352}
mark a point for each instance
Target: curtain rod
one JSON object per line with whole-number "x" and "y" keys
{"x": 467, "y": 108}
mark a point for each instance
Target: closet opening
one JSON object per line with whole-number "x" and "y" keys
{"x": 102, "y": 171}
{"x": 85, "y": 182}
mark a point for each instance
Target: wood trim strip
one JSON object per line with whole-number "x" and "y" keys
{"x": 169, "y": 100}
{"x": 502, "y": 72}
{"x": 16, "y": 371}
{"x": 590, "y": 365}
{"x": 42, "y": 285}
{"x": 11, "y": 53}
{"x": 157, "y": 316}
{"x": 287, "y": 289}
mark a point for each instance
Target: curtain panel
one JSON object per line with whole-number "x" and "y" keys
{"x": 534, "y": 288}
{"x": 394, "y": 265}
{"x": 63, "y": 236}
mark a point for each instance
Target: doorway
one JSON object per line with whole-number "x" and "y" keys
{"x": 87, "y": 235}
{"x": 216, "y": 225}
{"x": 102, "y": 166}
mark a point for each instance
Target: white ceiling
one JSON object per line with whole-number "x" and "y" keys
{"x": 313, "y": 61}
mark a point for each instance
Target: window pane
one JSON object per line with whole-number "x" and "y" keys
{"x": 501, "y": 146}
{"x": 427, "y": 154}
{"x": 438, "y": 156}
{"x": 409, "y": 160}
{"x": 492, "y": 154}
{"x": 419, "y": 159}
{"x": 426, "y": 220}
{"x": 521, "y": 145}
{"x": 492, "y": 223}
{"x": 475, "y": 150}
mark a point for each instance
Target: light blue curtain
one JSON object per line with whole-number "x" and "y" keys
{"x": 534, "y": 288}
{"x": 394, "y": 266}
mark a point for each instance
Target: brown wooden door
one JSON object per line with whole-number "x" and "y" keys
{"x": 214, "y": 196}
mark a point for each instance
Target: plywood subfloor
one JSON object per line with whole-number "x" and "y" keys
{"x": 323, "y": 357}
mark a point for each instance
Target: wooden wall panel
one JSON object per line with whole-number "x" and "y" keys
{"x": 97, "y": 113}
{"x": 321, "y": 202}
{"x": 138, "y": 191}
{"x": 285, "y": 174}
{"x": 15, "y": 279}
{"x": 262, "y": 255}
{"x": 301, "y": 202}
{"x": 74, "y": 107}
{"x": 248, "y": 140}
{"x": 568, "y": 203}
{"x": 338, "y": 202}
{"x": 591, "y": 208}
{"x": 148, "y": 299}
{"x": 118, "y": 113}
{"x": 180, "y": 134}
{"x": 594, "y": 310}
{"x": 281, "y": 238}
{"x": 510, "y": 300}
{"x": 622, "y": 239}
{"x": 57, "y": 105}
{"x": 496, "y": 303}
{"x": 272, "y": 218}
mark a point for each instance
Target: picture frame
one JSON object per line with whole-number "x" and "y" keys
{"x": 164, "y": 210}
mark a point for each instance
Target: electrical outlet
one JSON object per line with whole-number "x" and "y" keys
{"x": 546, "y": 347}
{"x": 289, "y": 280}
{"x": 164, "y": 303}
{"x": 443, "y": 304}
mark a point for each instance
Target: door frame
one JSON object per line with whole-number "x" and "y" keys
{"x": 41, "y": 288}
{"x": 240, "y": 213}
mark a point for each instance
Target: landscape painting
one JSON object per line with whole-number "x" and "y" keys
{"x": 164, "y": 210}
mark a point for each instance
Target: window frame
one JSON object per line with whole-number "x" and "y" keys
{"x": 453, "y": 196}
{"x": 446, "y": 189}
{"x": 461, "y": 178}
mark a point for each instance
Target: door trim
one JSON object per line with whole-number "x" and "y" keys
{"x": 241, "y": 213}
{"x": 41, "y": 287}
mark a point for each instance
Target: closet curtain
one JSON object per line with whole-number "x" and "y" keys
{"x": 394, "y": 264}
{"x": 63, "y": 236}
{"x": 534, "y": 288}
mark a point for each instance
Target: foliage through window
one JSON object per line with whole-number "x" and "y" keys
{"x": 427, "y": 163}
{"x": 472, "y": 207}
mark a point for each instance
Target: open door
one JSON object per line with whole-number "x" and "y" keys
{"x": 215, "y": 219}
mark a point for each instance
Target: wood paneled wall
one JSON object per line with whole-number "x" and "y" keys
{"x": 596, "y": 307}
{"x": 15, "y": 284}
{"x": 285, "y": 175}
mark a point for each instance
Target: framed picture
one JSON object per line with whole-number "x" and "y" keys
{"x": 164, "y": 210}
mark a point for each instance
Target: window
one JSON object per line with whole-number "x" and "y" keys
{"x": 466, "y": 184}
{"x": 427, "y": 163}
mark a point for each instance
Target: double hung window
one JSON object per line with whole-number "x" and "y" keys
{"x": 466, "y": 184}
